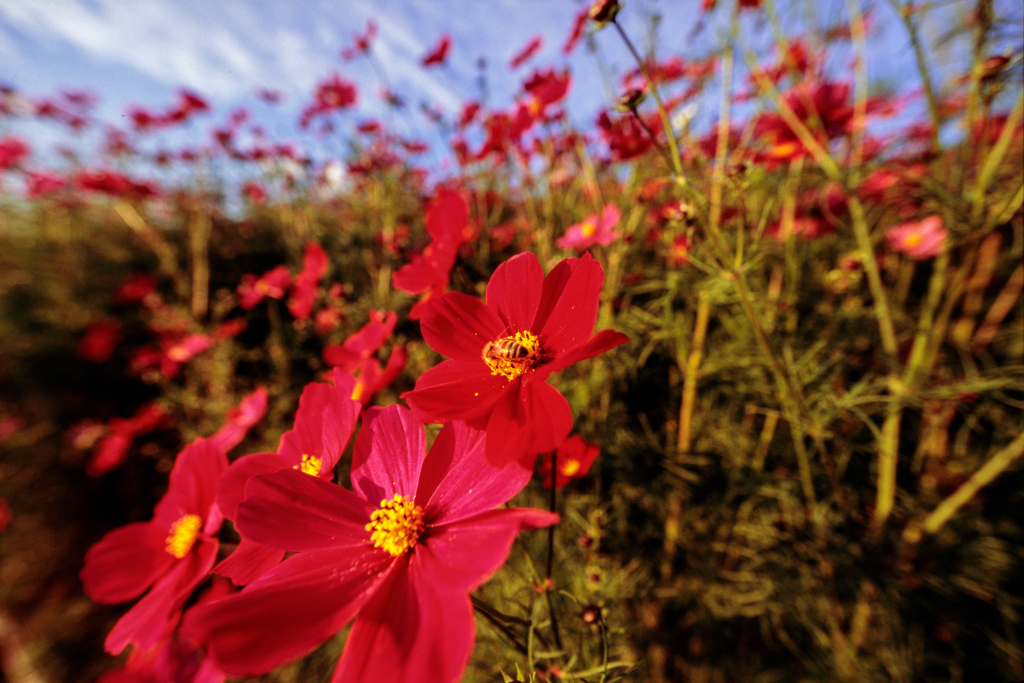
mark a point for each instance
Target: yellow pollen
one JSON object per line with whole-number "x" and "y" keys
{"x": 357, "y": 392}
{"x": 310, "y": 465}
{"x": 589, "y": 228}
{"x": 912, "y": 240}
{"x": 570, "y": 467}
{"x": 397, "y": 525}
{"x": 183, "y": 535}
{"x": 512, "y": 356}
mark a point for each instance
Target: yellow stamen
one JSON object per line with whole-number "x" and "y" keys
{"x": 357, "y": 392}
{"x": 513, "y": 356}
{"x": 397, "y": 525}
{"x": 183, "y": 535}
{"x": 912, "y": 240}
{"x": 570, "y": 467}
{"x": 310, "y": 465}
{"x": 589, "y": 228}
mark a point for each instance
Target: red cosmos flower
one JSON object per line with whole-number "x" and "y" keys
{"x": 400, "y": 553}
{"x": 529, "y": 50}
{"x": 439, "y": 52}
{"x": 324, "y": 424}
{"x": 100, "y": 340}
{"x": 350, "y": 354}
{"x": 574, "y": 457}
{"x": 446, "y": 221}
{"x": 625, "y": 137}
{"x": 331, "y": 95}
{"x": 113, "y": 447}
{"x": 39, "y": 184}
{"x": 272, "y": 283}
{"x": 918, "y": 239}
{"x": 502, "y": 351}
{"x": 314, "y": 265}
{"x": 361, "y": 42}
{"x": 371, "y": 378}
{"x": 12, "y": 151}
{"x": 241, "y": 419}
{"x": 592, "y": 230}
{"x": 172, "y": 553}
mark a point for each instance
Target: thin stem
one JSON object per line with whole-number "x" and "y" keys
{"x": 700, "y": 329}
{"x": 551, "y": 553}
{"x": 922, "y": 68}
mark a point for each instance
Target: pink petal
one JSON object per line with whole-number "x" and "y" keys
{"x": 515, "y": 292}
{"x": 388, "y": 454}
{"x": 458, "y": 326}
{"x": 193, "y": 483}
{"x": 250, "y": 561}
{"x": 414, "y": 630}
{"x": 288, "y": 611}
{"x": 324, "y": 424}
{"x": 533, "y": 420}
{"x": 231, "y": 490}
{"x": 154, "y": 617}
{"x": 574, "y": 312}
{"x": 605, "y": 340}
{"x": 457, "y": 479}
{"x": 455, "y": 390}
{"x": 125, "y": 562}
{"x": 296, "y": 512}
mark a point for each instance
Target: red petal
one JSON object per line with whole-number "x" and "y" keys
{"x": 388, "y": 454}
{"x": 250, "y": 561}
{"x": 415, "y": 630}
{"x": 324, "y": 424}
{"x": 297, "y": 512}
{"x": 231, "y": 490}
{"x": 154, "y": 617}
{"x": 605, "y": 340}
{"x": 458, "y": 326}
{"x": 455, "y": 390}
{"x": 458, "y": 481}
{"x": 125, "y": 562}
{"x": 532, "y": 420}
{"x": 514, "y": 291}
{"x": 193, "y": 483}
{"x": 288, "y": 611}
{"x": 574, "y": 310}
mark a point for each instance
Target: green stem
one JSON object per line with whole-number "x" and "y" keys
{"x": 551, "y": 554}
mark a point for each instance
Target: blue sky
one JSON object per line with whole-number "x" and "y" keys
{"x": 140, "y": 51}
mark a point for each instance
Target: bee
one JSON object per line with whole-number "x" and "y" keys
{"x": 512, "y": 356}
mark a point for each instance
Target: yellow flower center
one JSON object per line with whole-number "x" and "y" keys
{"x": 512, "y": 356}
{"x": 397, "y": 525}
{"x": 183, "y": 535}
{"x": 570, "y": 467}
{"x": 589, "y": 228}
{"x": 912, "y": 240}
{"x": 309, "y": 465}
{"x": 357, "y": 392}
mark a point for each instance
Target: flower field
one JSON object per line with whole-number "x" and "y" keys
{"x": 659, "y": 397}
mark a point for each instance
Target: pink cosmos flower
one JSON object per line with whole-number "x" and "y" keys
{"x": 574, "y": 458}
{"x": 399, "y": 553}
{"x": 241, "y": 419}
{"x": 314, "y": 265}
{"x": 918, "y": 240}
{"x": 272, "y": 284}
{"x": 12, "y": 152}
{"x": 169, "y": 555}
{"x": 593, "y": 230}
{"x": 502, "y": 351}
{"x": 324, "y": 424}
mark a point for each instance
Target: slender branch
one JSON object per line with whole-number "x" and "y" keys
{"x": 551, "y": 554}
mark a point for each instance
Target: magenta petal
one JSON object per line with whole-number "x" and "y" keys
{"x": 296, "y": 512}
{"x": 388, "y": 454}
{"x": 231, "y": 490}
{"x": 288, "y": 611}
{"x": 338, "y": 423}
{"x": 464, "y": 554}
{"x": 414, "y": 630}
{"x": 574, "y": 312}
{"x": 455, "y": 390}
{"x": 250, "y": 561}
{"x": 458, "y": 326}
{"x": 193, "y": 483}
{"x": 125, "y": 562}
{"x": 515, "y": 291}
{"x": 308, "y": 436}
{"x": 458, "y": 481}
{"x": 154, "y": 617}
{"x": 605, "y": 340}
{"x": 533, "y": 420}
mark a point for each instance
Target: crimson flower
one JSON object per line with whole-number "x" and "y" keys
{"x": 12, "y": 152}
{"x": 172, "y": 553}
{"x": 101, "y": 339}
{"x": 40, "y": 184}
{"x": 113, "y": 447}
{"x": 241, "y": 419}
{"x": 439, "y": 52}
{"x": 272, "y": 284}
{"x": 399, "y": 553}
{"x": 592, "y": 230}
{"x": 324, "y": 424}
{"x": 574, "y": 458}
{"x": 350, "y": 354}
{"x": 314, "y": 265}
{"x": 502, "y": 351}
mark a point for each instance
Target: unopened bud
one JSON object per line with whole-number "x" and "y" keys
{"x": 603, "y": 11}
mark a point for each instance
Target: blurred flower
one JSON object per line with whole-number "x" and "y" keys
{"x": 399, "y": 553}
{"x": 100, "y": 340}
{"x": 10, "y": 425}
{"x": 350, "y": 354}
{"x": 592, "y": 230}
{"x": 273, "y": 284}
{"x": 139, "y": 288}
{"x": 240, "y": 420}
{"x": 303, "y": 294}
{"x": 529, "y": 50}
{"x": 327, "y": 319}
{"x": 679, "y": 252}
{"x": 371, "y": 378}
{"x": 626, "y": 138}
{"x": 331, "y": 95}
{"x": 255, "y": 193}
{"x": 12, "y": 151}
{"x": 502, "y": 351}
{"x": 439, "y": 52}
{"x": 918, "y": 239}
{"x": 5, "y": 514}
{"x": 579, "y": 23}
{"x": 38, "y": 184}
{"x": 113, "y": 447}
{"x": 574, "y": 458}
{"x": 362, "y": 42}
{"x": 172, "y": 553}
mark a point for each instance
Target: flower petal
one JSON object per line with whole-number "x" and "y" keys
{"x": 125, "y": 562}
{"x": 605, "y": 340}
{"x": 458, "y": 326}
{"x": 388, "y": 454}
{"x": 321, "y": 406}
{"x": 250, "y": 561}
{"x": 231, "y": 490}
{"x": 193, "y": 483}
{"x": 532, "y": 420}
{"x": 458, "y": 481}
{"x": 455, "y": 390}
{"x": 515, "y": 291}
{"x": 288, "y": 611}
{"x": 154, "y": 617}
{"x": 414, "y": 630}
{"x": 296, "y": 512}
{"x": 573, "y": 303}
